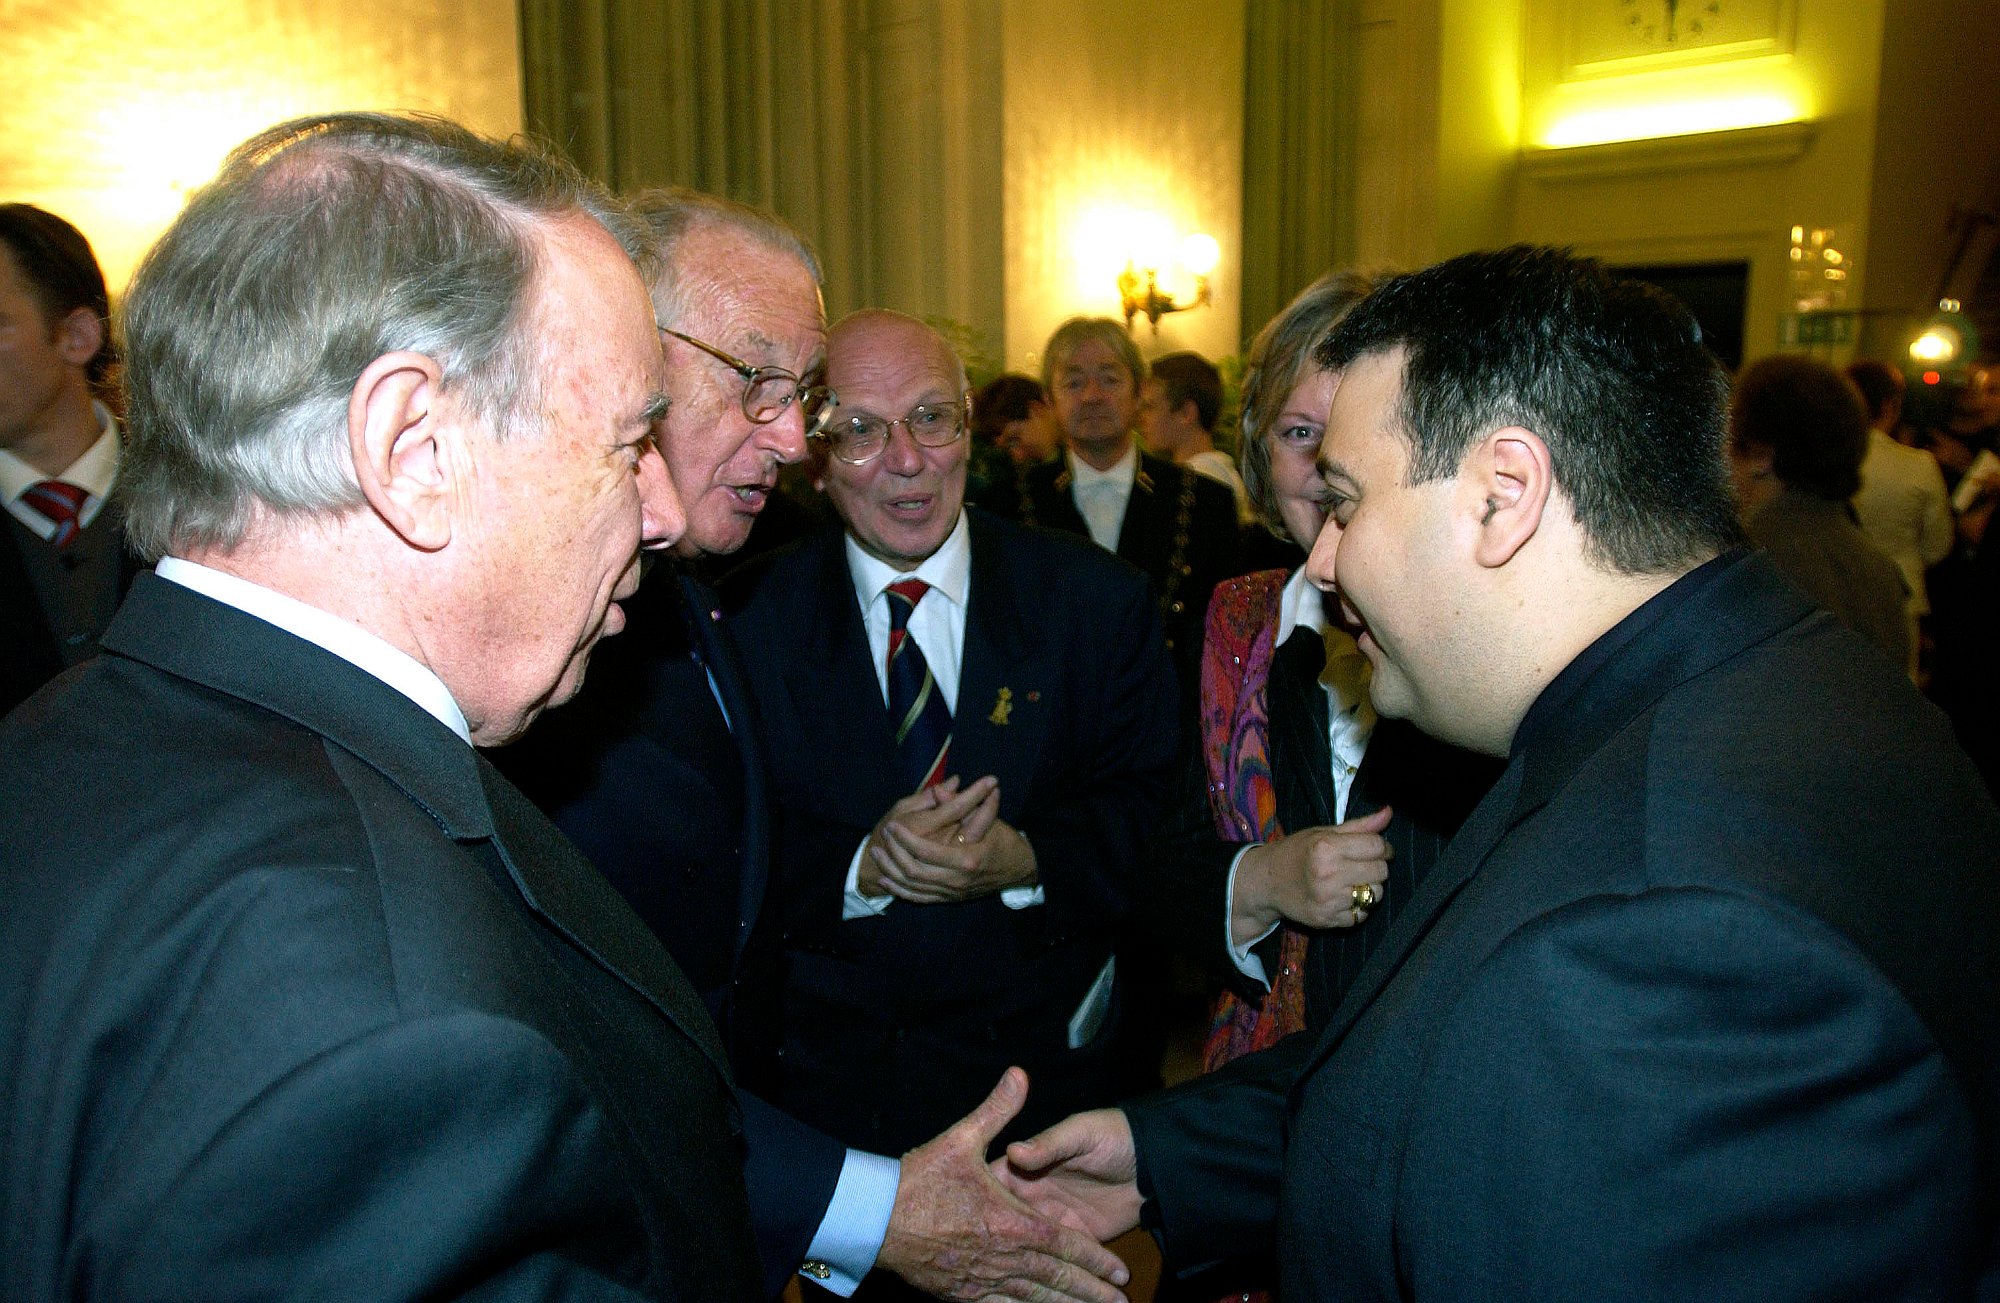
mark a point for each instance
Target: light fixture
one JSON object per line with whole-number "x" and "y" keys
{"x": 1945, "y": 339}
{"x": 1139, "y": 286}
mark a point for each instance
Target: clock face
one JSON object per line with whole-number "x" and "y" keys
{"x": 1670, "y": 24}
{"x": 1605, "y": 37}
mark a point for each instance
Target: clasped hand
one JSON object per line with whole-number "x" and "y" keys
{"x": 946, "y": 843}
{"x": 1309, "y": 877}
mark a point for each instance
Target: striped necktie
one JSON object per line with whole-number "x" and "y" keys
{"x": 62, "y": 503}
{"x": 916, "y": 706}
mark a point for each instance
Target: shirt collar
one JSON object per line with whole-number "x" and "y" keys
{"x": 95, "y": 471}
{"x": 1088, "y": 478}
{"x": 948, "y": 570}
{"x": 323, "y": 629}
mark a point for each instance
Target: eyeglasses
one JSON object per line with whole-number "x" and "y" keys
{"x": 769, "y": 390}
{"x": 858, "y": 440}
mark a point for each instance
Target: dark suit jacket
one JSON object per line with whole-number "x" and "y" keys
{"x": 302, "y": 998}
{"x": 670, "y": 802}
{"x": 1700, "y": 1003}
{"x": 1150, "y": 538}
{"x": 897, "y": 1025}
{"x": 29, "y": 656}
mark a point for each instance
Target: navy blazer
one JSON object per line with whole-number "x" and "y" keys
{"x": 897, "y": 1025}
{"x": 1700, "y": 1003}
{"x": 670, "y": 801}
{"x": 303, "y": 998}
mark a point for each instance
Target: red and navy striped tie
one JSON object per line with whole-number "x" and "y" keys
{"x": 916, "y": 707}
{"x": 62, "y": 503}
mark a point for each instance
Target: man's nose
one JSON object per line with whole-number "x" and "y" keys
{"x": 785, "y": 437}
{"x": 662, "y": 518}
{"x": 1319, "y": 563}
{"x": 901, "y": 454}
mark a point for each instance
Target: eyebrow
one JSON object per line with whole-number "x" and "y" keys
{"x": 1331, "y": 470}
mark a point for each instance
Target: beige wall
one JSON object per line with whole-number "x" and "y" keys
{"x": 116, "y": 109}
{"x": 1721, "y": 196}
{"x": 1111, "y": 109}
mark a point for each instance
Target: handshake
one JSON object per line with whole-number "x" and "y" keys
{"x": 1027, "y": 1226}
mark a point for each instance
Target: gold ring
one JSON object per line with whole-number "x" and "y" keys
{"x": 958, "y": 837}
{"x": 1364, "y": 896}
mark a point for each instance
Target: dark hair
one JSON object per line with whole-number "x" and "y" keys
{"x": 1002, "y": 400}
{"x": 56, "y": 261}
{"x": 1611, "y": 374}
{"x": 1809, "y": 416}
{"x": 1880, "y": 384}
{"x": 1190, "y": 378}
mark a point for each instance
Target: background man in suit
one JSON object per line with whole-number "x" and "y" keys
{"x": 1178, "y": 407}
{"x": 1700, "y": 1002}
{"x": 938, "y": 930}
{"x": 656, "y": 772}
{"x": 65, "y": 565}
{"x": 1179, "y": 527}
{"x": 310, "y": 1000}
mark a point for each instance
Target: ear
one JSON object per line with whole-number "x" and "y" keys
{"x": 1510, "y": 477}
{"x": 79, "y": 335}
{"x": 405, "y": 453}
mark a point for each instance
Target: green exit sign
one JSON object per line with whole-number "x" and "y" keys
{"x": 1808, "y": 328}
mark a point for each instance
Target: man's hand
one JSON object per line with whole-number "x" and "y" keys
{"x": 1082, "y": 1172}
{"x": 932, "y": 865}
{"x": 1310, "y": 877}
{"x": 942, "y": 811}
{"x": 955, "y": 1231}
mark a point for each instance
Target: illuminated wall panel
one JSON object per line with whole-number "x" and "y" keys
{"x": 115, "y": 109}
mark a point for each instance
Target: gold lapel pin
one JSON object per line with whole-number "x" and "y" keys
{"x": 1003, "y": 706}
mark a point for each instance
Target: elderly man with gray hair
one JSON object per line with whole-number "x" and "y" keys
{"x": 302, "y": 998}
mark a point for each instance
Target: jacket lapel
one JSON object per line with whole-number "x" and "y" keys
{"x": 1670, "y": 640}
{"x": 992, "y": 734}
{"x": 725, "y": 664}
{"x": 573, "y": 898}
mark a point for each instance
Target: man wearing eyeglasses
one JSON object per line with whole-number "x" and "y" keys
{"x": 970, "y": 727}
{"x": 656, "y": 773}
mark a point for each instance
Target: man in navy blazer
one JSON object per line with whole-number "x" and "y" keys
{"x": 658, "y": 774}
{"x": 1701, "y": 1001}
{"x": 302, "y": 998}
{"x": 64, "y": 566}
{"x": 937, "y": 932}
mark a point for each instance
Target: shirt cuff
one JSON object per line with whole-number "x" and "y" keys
{"x": 1246, "y": 962}
{"x": 853, "y": 904}
{"x": 849, "y": 1237}
{"x": 1022, "y": 897}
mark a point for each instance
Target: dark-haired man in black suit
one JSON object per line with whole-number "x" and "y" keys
{"x": 1703, "y": 999}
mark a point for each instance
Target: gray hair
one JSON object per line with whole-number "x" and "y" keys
{"x": 1280, "y": 357}
{"x": 1072, "y": 333}
{"x": 324, "y": 243}
{"x": 669, "y": 214}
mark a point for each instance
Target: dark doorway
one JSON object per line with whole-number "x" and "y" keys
{"x": 1716, "y": 292}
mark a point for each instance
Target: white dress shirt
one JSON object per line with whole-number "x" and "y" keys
{"x": 937, "y": 626}
{"x": 95, "y": 472}
{"x": 1350, "y": 720}
{"x": 343, "y": 638}
{"x": 1101, "y": 496}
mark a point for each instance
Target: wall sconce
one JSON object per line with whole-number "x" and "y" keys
{"x": 1139, "y": 287}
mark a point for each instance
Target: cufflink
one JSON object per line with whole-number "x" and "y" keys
{"x": 816, "y": 1269}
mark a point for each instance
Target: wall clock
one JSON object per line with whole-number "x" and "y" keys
{"x": 1616, "y": 36}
